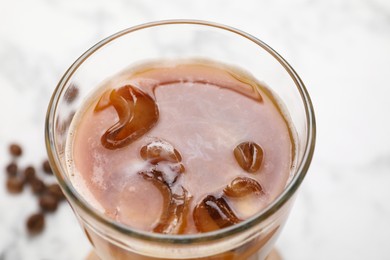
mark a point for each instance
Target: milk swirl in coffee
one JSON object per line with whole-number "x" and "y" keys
{"x": 180, "y": 147}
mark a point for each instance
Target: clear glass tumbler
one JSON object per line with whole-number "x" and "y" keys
{"x": 181, "y": 39}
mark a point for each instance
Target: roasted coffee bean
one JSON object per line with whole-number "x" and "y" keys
{"x": 37, "y": 186}
{"x": 48, "y": 202}
{"x": 46, "y": 167}
{"x": 55, "y": 190}
{"x": 12, "y": 169}
{"x": 29, "y": 173}
{"x": 71, "y": 94}
{"x": 15, "y": 184}
{"x": 35, "y": 223}
{"x": 15, "y": 150}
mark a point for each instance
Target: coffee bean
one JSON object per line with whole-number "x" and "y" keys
{"x": 48, "y": 203}
{"x": 37, "y": 186}
{"x": 29, "y": 173}
{"x": 15, "y": 150}
{"x": 15, "y": 185}
{"x": 46, "y": 167}
{"x": 55, "y": 190}
{"x": 12, "y": 169}
{"x": 49, "y": 196}
{"x": 35, "y": 223}
{"x": 71, "y": 94}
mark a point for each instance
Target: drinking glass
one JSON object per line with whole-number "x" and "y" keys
{"x": 171, "y": 40}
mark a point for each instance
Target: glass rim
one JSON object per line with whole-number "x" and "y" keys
{"x": 274, "y": 206}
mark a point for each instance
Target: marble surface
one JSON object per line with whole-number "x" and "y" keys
{"x": 341, "y": 49}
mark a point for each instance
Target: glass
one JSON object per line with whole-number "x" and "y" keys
{"x": 178, "y": 39}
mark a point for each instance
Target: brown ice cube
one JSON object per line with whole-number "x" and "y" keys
{"x": 173, "y": 218}
{"x": 213, "y": 213}
{"x": 137, "y": 113}
{"x": 249, "y": 156}
{"x": 243, "y": 186}
{"x": 175, "y": 205}
{"x": 158, "y": 151}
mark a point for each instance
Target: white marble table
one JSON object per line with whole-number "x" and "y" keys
{"x": 341, "y": 49}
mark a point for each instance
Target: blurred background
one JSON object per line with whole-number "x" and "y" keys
{"x": 341, "y": 50}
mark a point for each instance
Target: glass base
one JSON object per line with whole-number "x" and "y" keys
{"x": 274, "y": 255}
